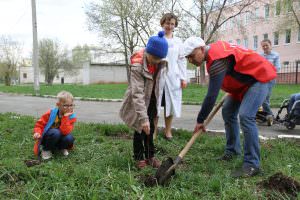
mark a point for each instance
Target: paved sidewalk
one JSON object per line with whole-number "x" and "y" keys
{"x": 107, "y": 112}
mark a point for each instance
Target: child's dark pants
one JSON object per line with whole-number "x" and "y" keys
{"x": 143, "y": 143}
{"x": 54, "y": 139}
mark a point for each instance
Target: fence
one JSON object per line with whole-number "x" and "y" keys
{"x": 288, "y": 74}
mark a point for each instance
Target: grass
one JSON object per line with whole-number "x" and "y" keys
{"x": 101, "y": 166}
{"x": 192, "y": 94}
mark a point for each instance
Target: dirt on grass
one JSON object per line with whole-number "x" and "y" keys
{"x": 148, "y": 180}
{"x": 281, "y": 183}
{"x": 121, "y": 136}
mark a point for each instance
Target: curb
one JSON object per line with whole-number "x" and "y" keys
{"x": 78, "y": 98}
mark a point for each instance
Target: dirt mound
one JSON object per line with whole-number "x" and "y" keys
{"x": 281, "y": 183}
{"x": 148, "y": 180}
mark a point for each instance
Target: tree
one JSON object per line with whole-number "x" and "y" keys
{"x": 80, "y": 54}
{"x": 52, "y": 58}
{"x": 207, "y": 16}
{"x": 125, "y": 22}
{"x": 290, "y": 8}
{"x": 10, "y": 56}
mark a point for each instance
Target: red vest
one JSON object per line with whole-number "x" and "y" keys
{"x": 247, "y": 62}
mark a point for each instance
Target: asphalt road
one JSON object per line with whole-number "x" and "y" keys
{"x": 107, "y": 112}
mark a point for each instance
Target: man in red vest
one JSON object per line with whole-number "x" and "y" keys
{"x": 243, "y": 74}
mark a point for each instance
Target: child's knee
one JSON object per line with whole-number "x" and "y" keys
{"x": 69, "y": 139}
{"x": 53, "y": 133}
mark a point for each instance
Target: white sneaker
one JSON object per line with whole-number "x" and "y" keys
{"x": 46, "y": 155}
{"x": 65, "y": 152}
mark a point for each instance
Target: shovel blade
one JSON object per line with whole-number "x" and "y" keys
{"x": 162, "y": 175}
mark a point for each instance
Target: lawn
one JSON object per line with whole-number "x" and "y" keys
{"x": 101, "y": 166}
{"x": 193, "y": 94}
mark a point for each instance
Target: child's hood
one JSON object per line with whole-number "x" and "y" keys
{"x": 137, "y": 57}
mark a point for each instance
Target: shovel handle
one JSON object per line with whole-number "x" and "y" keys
{"x": 206, "y": 122}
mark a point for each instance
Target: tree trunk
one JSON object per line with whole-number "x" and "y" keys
{"x": 7, "y": 79}
{"x": 125, "y": 50}
{"x": 202, "y": 67}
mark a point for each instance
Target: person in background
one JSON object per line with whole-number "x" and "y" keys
{"x": 293, "y": 98}
{"x": 53, "y": 129}
{"x": 272, "y": 57}
{"x": 139, "y": 107}
{"x": 245, "y": 76}
{"x": 175, "y": 78}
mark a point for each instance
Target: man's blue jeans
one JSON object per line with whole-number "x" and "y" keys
{"x": 246, "y": 109}
{"x": 54, "y": 139}
{"x": 266, "y": 103}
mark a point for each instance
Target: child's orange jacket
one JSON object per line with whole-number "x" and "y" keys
{"x": 45, "y": 123}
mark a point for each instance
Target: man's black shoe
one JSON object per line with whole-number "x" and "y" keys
{"x": 226, "y": 157}
{"x": 245, "y": 172}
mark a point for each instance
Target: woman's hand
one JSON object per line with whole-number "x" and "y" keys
{"x": 183, "y": 84}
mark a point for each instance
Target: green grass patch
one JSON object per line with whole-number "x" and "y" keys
{"x": 101, "y": 166}
{"x": 194, "y": 93}
{"x": 106, "y": 91}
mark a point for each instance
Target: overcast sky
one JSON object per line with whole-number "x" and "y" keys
{"x": 63, "y": 20}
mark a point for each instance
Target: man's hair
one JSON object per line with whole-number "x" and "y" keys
{"x": 168, "y": 17}
{"x": 267, "y": 40}
{"x": 64, "y": 95}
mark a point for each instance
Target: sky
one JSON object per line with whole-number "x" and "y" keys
{"x": 62, "y": 20}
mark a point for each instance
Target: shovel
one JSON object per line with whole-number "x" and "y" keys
{"x": 167, "y": 168}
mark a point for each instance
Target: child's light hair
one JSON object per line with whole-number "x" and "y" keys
{"x": 64, "y": 95}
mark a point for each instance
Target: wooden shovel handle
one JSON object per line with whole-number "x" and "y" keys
{"x": 206, "y": 122}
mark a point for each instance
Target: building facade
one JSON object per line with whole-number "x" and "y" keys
{"x": 273, "y": 20}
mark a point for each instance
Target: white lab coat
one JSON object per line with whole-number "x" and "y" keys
{"x": 175, "y": 73}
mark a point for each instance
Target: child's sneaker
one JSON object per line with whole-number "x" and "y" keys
{"x": 140, "y": 164}
{"x": 65, "y": 152}
{"x": 46, "y": 155}
{"x": 154, "y": 162}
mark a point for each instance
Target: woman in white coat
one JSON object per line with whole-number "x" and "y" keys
{"x": 176, "y": 74}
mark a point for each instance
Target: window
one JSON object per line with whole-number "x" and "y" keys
{"x": 265, "y": 36}
{"x": 277, "y": 7}
{"x": 230, "y": 41}
{"x": 24, "y": 75}
{"x": 276, "y": 38}
{"x": 288, "y": 36}
{"x": 255, "y": 42}
{"x": 267, "y": 11}
{"x": 256, "y": 14}
{"x": 57, "y": 76}
{"x": 238, "y": 42}
{"x": 247, "y": 18}
{"x": 299, "y": 34}
{"x": 246, "y": 42}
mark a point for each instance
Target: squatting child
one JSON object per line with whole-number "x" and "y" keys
{"x": 139, "y": 107}
{"x": 53, "y": 130}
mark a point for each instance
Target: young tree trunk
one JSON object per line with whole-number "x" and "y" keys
{"x": 7, "y": 79}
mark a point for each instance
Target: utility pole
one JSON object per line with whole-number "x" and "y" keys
{"x": 35, "y": 50}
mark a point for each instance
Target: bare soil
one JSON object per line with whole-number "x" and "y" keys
{"x": 148, "y": 180}
{"x": 281, "y": 183}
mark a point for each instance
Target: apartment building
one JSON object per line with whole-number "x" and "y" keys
{"x": 271, "y": 19}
